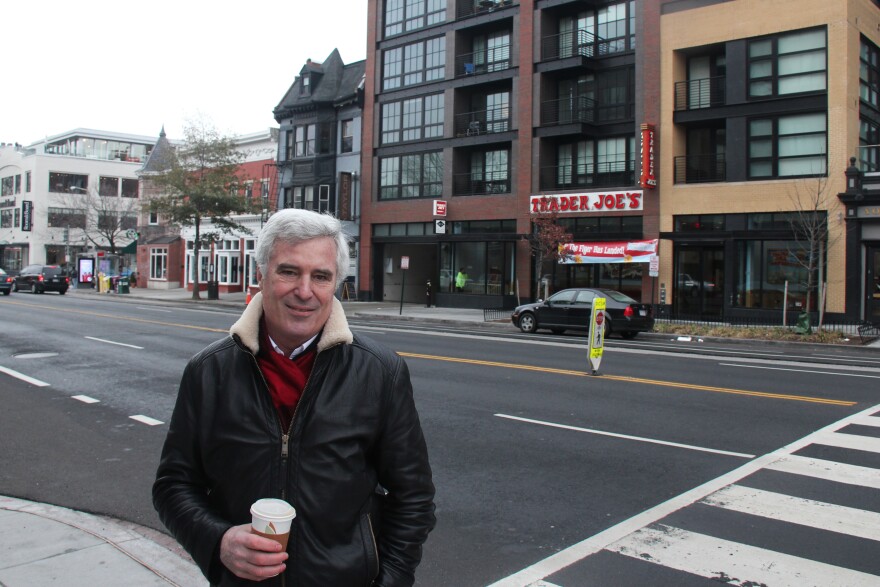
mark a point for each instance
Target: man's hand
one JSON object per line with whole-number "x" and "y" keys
{"x": 250, "y": 556}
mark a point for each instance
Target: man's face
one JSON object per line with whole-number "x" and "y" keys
{"x": 298, "y": 289}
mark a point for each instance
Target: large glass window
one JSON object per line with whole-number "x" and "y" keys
{"x": 611, "y": 27}
{"x": 409, "y": 15}
{"x": 487, "y": 267}
{"x": 68, "y": 183}
{"x": 411, "y": 176}
{"x": 108, "y": 186}
{"x": 869, "y": 73}
{"x": 226, "y": 255}
{"x": 414, "y": 63}
{"x": 413, "y": 119}
{"x": 159, "y": 264}
{"x": 787, "y": 64}
{"x": 788, "y": 146}
{"x": 305, "y": 141}
{"x": 763, "y": 270}
{"x": 869, "y": 145}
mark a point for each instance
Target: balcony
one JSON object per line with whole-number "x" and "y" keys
{"x": 700, "y": 168}
{"x": 481, "y": 122}
{"x": 598, "y": 175}
{"x": 700, "y": 93}
{"x": 475, "y": 7}
{"x": 481, "y": 62}
{"x": 571, "y": 44}
{"x": 476, "y": 184}
{"x": 578, "y": 109}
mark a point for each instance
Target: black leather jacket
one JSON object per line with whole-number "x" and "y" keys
{"x": 354, "y": 428}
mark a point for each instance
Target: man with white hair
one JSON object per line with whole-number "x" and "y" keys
{"x": 293, "y": 405}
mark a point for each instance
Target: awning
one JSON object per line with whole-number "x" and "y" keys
{"x": 130, "y": 248}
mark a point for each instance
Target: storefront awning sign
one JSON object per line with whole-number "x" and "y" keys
{"x": 609, "y": 252}
{"x": 613, "y": 201}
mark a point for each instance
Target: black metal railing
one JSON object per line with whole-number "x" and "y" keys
{"x": 700, "y": 93}
{"x": 570, "y": 44}
{"x": 495, "y": 58}
{"x": 471, "y": 184}
{"x": 481, "y": 122}
{"x": 592, "y": 175}
{"x": 568, "y": 110}
{"x": 475, "y": 7}
{"x": 700, "y": 168}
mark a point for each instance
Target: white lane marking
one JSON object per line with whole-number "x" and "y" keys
{"x": 85, "y": 399}
{"x": 595, "y": 543}
{"x": 23, "y": 377}
{"x": 114, "y": 342}
{"x": 720, "y": 559}
{"x": 801, "y": 370}
{"x": 853, "y": 441}
{"x": 543, "y": 584}
{"x": 796, "y": 510}
{"x": 152, "y": 309}
{"x": 828, "y": 470}
{"x": 146, "y": 420}
{"x": 627, "y": 437}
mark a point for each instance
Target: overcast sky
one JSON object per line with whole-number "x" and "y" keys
{"x": 132, "y": 67}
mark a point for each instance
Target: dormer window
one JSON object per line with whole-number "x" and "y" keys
{"x": 306, "y": 84}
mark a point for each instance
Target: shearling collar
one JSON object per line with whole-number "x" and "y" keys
{"x": 247, "y": 328}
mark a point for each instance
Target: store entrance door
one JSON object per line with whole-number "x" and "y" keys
{"x": 872, "y": 285}
{"x": 700, "y": 281}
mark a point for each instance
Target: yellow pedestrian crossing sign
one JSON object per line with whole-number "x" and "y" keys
{"x": 597, "y": 334}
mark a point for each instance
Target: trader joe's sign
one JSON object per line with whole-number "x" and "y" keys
{"x": 621, "y": 201}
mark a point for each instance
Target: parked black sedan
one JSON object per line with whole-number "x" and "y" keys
{"x": 6, "y": 282}
{"x": 570, "y": 309}
{"x": 42, "y": 278}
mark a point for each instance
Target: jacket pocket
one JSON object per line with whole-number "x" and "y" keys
{"x": 371, "y": 550}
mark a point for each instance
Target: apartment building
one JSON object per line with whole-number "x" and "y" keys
{"x": 319, "y": 155}
{"x": 481, "y": 115}
{"x": 763, "y": 105}
{"x": 71, "y": 197}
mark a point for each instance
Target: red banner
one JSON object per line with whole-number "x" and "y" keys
{"x": 648, "y": 179}
{"x": 610, "y": 252}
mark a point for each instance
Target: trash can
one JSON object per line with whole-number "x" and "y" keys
{"x": 122, "y": 286}
{"x": 803, "y": 324}
{"x": 213, "y": 290}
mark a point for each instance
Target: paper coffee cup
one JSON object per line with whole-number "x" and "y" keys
{"x": 271, "y": 518}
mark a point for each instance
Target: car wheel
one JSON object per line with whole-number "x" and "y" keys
{"x": 629, "y": 335}
{"x": 62, "y": 292}
{"x": 38, "y": 290}
{"x": 527, "y": 323}
{"x": 7, "y": 292}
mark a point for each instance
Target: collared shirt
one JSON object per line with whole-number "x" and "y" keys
{"x": 295, "y": 352}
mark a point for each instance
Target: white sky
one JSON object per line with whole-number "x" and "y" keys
{"x": 132, "y": 67}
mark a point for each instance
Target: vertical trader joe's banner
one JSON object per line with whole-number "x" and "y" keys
{"x": 609, "y": 252}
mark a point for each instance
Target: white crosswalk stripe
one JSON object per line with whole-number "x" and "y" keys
{"x": 806, "y": 512}
{"x": 828, "y": 470}
{"x": 853, "y": 441}
{"x": 732, "y": 562}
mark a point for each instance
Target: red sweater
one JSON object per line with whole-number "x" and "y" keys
{"x": 286, "y": 377}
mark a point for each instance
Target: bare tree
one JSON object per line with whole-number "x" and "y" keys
{"x": 811, "y": 202}
{"x": 545, "y": 241}
{"x": 200, "y": 184}
{"x": 103, "y": 220}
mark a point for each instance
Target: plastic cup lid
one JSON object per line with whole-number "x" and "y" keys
{"x": 273, "y": 508}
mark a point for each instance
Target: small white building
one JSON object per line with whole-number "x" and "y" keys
{"x": 66, "y": 197}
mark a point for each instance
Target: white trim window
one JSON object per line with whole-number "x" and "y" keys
{"x": 159, "y": 264}
{"x": 226, "y": 256}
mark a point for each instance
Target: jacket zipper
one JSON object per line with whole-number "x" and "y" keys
{"x": 375, "y": 546}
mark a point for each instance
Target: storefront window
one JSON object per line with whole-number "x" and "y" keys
{"x": 763, "y": 270}
{"x": 488, "y": 267}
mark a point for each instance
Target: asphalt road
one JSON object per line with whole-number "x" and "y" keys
{"x": 541, "y": 469}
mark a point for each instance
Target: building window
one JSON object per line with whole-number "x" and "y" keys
{"x": 765, "y": 268}
{"x": 68, "y": 183}
{"x": 7, "y": 186}
{"x": 323, "y": 198}
{"x": 869, "y": 73}
{"x": 108, "y": 186}
{"x": 159, "y": 264}
{"x": 154, "y": 219}
{"x": 18, "y": 184}
{"x": 304, "y": 197}
{"x": 788, "y": 146}
{"x": 27, "y": 181}
{"x": 414, "y": 119}
{"x": 490, "y": 172}
{"x": 306, "y": 84}
{"x": 492, "y": 52}
{"x": 414, "y": 64}
{"x": 611, "y": 28}
{"x": 130, "y": 188}
{"x": 410, "y": 15}
{"x": 787, "y": 64}
{"x": 66, "y": 217}
{"x": 869, "y": 146}
{"x": 226, "y": 259}
{"x": 411, "y": 176}
{"x": 347, "y": 132}
{"x": 6, "y": 218}
{"x": 304, "y": 141}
